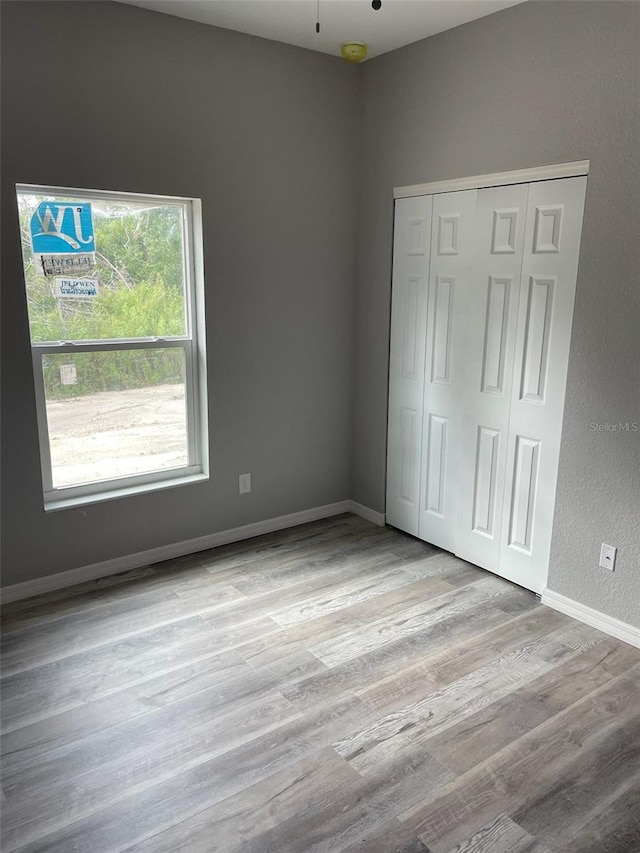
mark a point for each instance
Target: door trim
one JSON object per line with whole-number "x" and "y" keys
{"x": 575, "y": 169}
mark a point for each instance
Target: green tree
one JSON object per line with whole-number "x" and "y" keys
{"x": 139, "y": 269}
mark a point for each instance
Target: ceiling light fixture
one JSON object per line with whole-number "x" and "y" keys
{"x": 354, "y": 51}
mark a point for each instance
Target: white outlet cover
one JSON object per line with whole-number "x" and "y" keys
{"x": 608, "y": 557}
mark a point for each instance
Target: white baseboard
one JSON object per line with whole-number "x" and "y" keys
{"x": 614, "y": 627}
{"x": 18, "y": 591}
{"x": 378, "y": 518}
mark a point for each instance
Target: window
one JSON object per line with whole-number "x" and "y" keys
{"x": 115, "y": 299}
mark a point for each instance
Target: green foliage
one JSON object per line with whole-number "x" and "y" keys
{"x": 137, "y": 247}
{"x": 148, "y": 310}
{"x": 112, "y": 371}
{"x": 139, "y": 269}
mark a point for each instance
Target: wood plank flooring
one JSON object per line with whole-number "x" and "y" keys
{"x": 334, "y": 688}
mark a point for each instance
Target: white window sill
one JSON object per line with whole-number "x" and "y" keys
{"x": 54, "y": 504}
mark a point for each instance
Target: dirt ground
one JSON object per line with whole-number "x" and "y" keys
{"x": 116, "y": 433}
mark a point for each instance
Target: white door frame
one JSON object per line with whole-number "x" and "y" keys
{"x": 575, "y": 169}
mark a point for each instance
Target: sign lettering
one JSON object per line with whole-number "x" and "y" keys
{"x": 76, "y": 288}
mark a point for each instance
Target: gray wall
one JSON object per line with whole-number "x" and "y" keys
{"x": 108, "y": 96}
{"x": 268, "y": 137}
{"x": 538, "y": 83}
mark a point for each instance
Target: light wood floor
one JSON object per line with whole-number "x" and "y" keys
{"x": 335, "y": 687}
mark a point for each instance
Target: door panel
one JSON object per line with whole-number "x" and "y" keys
{"x": 500, "y": 294}
{"x": 543, "y": 335}
{"x": 524, "y": 488}
{"x": 436, "y": 467}
{"x": 485, "y": 477}
{"x": 412, "y": 239}
{"x": 452, "y": 244}
{"x": 485, "y": 355}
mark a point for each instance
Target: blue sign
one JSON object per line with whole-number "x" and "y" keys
{"x": 62, "y": 228}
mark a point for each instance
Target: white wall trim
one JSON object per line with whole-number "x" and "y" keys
{"x": 378, "y": 518}
{"x": 614, "y": 627}
{"x": 60, "y": 580}
{"x": 519, "y": 176}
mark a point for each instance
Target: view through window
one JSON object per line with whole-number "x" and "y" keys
{"x": 113, "y": 314}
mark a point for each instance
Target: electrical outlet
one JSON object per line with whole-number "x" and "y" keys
{"x": 608, "y": 557}
{"x": 244, "y": 483}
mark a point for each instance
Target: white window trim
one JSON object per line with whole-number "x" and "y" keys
{"x": 193, "y": 344}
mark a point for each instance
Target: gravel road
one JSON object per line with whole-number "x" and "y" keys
{"x": 116, "y": 433}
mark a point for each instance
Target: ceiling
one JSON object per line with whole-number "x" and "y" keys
{"x": 397, "y": 23}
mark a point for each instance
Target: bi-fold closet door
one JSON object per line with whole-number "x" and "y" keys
{"x": 482, "y": 303}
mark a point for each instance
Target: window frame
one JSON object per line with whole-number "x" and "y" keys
{"x": 192, "y": 343}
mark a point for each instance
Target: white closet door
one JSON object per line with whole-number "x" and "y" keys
{"x": 545, "y": 312}
{"x": 452, "y": 241}
{"x": 412, "y": 238}
{"x": 485, "y": 355}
